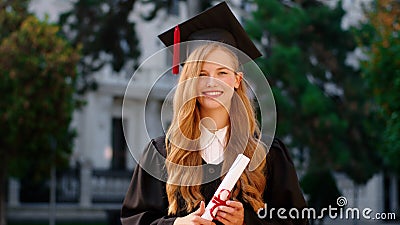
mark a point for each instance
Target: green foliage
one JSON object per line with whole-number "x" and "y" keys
{"x": 324, "y": 193}
{"x": 12, "y": 13}
{"x": 38, "y": 78}
{"x": 105, "y": 32}
{"x": 379, "y": 38}
{"x": 322, "y": 103}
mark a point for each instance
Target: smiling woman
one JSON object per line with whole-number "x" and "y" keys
{"x": 213, "y": 122}
{"x": 216, "y": 82}
{"x": 225, "y": 112}
{"x": 218, "y": 78}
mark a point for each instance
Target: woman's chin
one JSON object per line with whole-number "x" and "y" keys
{"x": 208, "y": 103}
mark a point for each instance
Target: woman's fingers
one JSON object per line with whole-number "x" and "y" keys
{"x": 231, "y": 214}
{"x": 194, "y": 218}
{"x": 234, "y": 204}
{"x": 231, "y": 207}
{"x": 200, "y": 211}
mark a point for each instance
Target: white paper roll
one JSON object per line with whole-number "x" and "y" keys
{"x": 227, "y": 183}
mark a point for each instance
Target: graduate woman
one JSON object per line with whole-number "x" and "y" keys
{"x": 213, "y": 121}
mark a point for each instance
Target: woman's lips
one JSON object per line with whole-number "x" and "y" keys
{"x": 212, "y": 94}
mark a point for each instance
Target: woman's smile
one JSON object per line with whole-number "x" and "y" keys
{"x": 217, "y": 81}
{"x": 212, "y": 94}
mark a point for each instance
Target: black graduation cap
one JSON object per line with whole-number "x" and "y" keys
{"x": 215, "y": 24}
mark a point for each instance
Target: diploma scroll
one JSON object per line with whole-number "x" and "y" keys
{"x": 223, "y": 192}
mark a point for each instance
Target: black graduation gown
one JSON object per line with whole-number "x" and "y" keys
{"x": 146, "y": 200}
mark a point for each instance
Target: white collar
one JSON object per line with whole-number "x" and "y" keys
{"x": 207, "y": 137}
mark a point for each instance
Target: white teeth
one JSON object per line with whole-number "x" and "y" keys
{"x": 213, "y": 93}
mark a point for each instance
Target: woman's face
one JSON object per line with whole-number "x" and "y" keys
{"x": 217, "y": 81}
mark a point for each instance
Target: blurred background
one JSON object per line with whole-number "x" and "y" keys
{"x": 333, "y": 65}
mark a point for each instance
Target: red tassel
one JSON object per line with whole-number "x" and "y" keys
{"x": 175, "y": 60}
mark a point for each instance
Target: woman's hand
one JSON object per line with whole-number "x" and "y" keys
{"x": 194, "y": 218}
{"x": 231, "y": 214}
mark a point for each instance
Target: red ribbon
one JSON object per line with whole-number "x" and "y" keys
{"x": 218, "y": 202}
{"x": 175, "y": 60}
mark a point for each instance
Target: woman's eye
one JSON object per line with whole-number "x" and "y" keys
{"x": 222, "y": 73}
{"x": 202, "y": 74}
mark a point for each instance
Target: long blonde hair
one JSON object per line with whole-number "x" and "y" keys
{"x": 184, "y": 163}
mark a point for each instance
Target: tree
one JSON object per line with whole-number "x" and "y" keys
{"x": 322, "y": 103}
{"x": 107, "y": 36}
{"x": 379, "y": 38}
{"x": 38, "y": 79}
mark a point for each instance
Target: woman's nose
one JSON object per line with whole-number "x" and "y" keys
{"x": 211, "y": 81}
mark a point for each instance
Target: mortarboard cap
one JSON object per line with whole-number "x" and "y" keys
{"x": 215, "y": 24}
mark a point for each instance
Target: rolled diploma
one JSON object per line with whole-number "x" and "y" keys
{"x": 228, "y": 182}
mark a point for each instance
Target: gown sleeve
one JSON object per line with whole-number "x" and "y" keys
{"x": 146, "y": 202}
{"x": 282, "y": 189}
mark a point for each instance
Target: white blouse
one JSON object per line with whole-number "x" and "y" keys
{"x": 212, "y": 145}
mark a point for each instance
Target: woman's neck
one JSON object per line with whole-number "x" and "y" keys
{"x": 217, "y": 119}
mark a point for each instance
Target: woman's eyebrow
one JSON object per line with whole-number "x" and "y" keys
{"x": 224, "y": 68}
{"x": 219, "y": 68}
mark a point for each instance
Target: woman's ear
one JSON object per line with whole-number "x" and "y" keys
{"x": 238, "y": 79}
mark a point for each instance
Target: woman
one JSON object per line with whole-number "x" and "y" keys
{"x": 213, "y": 122}
{"x": 211, "y": 87}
